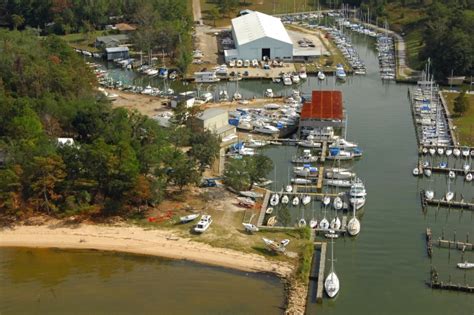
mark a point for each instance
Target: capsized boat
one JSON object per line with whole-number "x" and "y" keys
{"x": 188, "y": 218}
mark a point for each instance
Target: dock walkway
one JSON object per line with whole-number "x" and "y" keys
{"x": 318, "y": 269}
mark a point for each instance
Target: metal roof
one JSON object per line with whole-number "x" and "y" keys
{"x": 323, "y": 105}
{"x": 256, "y": 25}
{"x": 116, "y": 49}
{"x": 211, "y": 113}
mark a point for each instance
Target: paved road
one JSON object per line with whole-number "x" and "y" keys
{"x": 197, "y": 16}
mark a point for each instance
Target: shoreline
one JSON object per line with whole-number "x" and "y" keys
{"x": 136, "y": 240}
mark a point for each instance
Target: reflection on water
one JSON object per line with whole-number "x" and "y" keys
{"x": 52, "y": 281}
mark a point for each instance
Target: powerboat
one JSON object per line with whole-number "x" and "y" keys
{"x": 338, "y": 183}
{"x": 307, "y": 157}
{"x": 339, "y": 173}
{"x": 203, "y": 224}
{"x": 250, "y": 227}
{"x": 465, "y": 265}
{"x": 357, "y": 194}
{"x": 343, "y": 144}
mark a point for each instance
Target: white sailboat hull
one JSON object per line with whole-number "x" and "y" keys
{"x": 353, "y": 227}
{"x": 331, "y": 285}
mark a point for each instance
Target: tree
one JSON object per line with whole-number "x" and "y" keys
{"x": 214, "y": 14}
{"x": 182, "y": 171}
{"x": 17, "y": 21}
{"x": 10, "y": 188}
{"x": 242, "y": 173}
{"x": 205, "y": 148}
{"x": 48, "y": 173}
{"x": 461, "y": 103}
{"x": 258, "y": 166}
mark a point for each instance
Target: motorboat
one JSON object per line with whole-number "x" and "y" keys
{"x": 313, "y": 223}
{"x": 326, "y": 200}
{"x": 339, "y": 173}
{"x": 343, "y": 144}
{"x": 337, "y": 154}
{"x": 338, "y": 183}
{"x": 449, "y": 152}
{"x": 267, "y": 129}
{"x": 307, "y": 157}
{"x": 451, "y": 174}
{"x": 432, "y": 151}
{"x": 321, "y": 75}
{"x": 287, "y": 80}
{"x": 440, "y": 151}
{"x": 309, "y": 144}
{"x": 249, "y": 227}
{"x": 465, "y": 265}
{"x": 203, "y": 224}
{"x": 252, "y": 143}
{"x": 357, "y": 194}
{"x": 337, "y": 203}
{"x": 296, "y": 201}
{"x": 274, "y": 200}
{"x": 302, "y": 181}
{"x": 449, "y": 196}
{"x": 306, "y": 171}
{"x": 289, "y": 188}
{"x": 456, "y": 152}
{"x": 285, "y": 199}
{"x": 466, "y": 167}
{"x": 427, "y": 172}
{"x": 443, "y": 164}
{"x": 295, "y": 78}
{"x": 331, "y": 284}
{"x": 269, "y": 93}
{"x": 188, "y": 218}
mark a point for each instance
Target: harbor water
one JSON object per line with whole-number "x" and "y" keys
{"x": 382, "y": 271}
{"x": 52, "y": 281}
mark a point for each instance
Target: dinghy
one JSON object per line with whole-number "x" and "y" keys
{"x": 466, "y": 265}
{"x": 250, "y": 227}
{"x": 416, "y": 171}
{"x": 269, "y": 210}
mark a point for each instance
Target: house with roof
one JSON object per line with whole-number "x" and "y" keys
{"x": 259, "y": 36}
{"x": 324, "y": 109}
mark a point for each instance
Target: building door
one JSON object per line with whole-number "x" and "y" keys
{"x": 265, "y": 53}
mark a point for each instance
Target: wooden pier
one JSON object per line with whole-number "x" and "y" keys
{"x": 438, "y": 169}
{"x": 342, "y": 230}
{"x": 318, "y": 269}
{"x": 463, "y": 246}
{"x": 464, "y": 205}
{"x": 429, "y": 243}
{"x": 261, "y": 216}
{"x": 324, "y": 151}
{"x": 452, "y": 147}
{"x": 434, "y": 283}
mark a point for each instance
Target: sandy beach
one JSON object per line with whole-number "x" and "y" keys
{"x": 139, "y": 241}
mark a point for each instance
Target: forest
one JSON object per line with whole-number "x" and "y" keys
{"x": 120, "y": 161}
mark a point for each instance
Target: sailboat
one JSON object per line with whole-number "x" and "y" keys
{"x": 285, "y": 199}
{"x": 306, "y": 200}
{"x": 337, "y": 203}
{"x": 331, "y": 284}
{"x": 353, "y": 226}
{"x": 324, "y": 223}
{"x": 302, "y": 221}
{"x": 237, "y": 96}
{"x": 296, "y": 201}
{"x": 449, "y": 195}
{"x": 275, "y": 200}
{"x": 313, "y": 223}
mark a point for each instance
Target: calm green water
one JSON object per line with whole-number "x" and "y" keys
{"x": 51, "y": 281}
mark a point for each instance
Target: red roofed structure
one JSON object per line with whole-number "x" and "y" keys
{"x": 324, "y": 110}
{"x": 324, "y": 105}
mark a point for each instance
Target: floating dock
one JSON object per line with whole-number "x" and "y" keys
{"x": 318, "y": 269}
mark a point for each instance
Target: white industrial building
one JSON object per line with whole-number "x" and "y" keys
{"x": 257, "y": 35}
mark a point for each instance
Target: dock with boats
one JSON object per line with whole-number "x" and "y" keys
{"x": 456, "y": 204}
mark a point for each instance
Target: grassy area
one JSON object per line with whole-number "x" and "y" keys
{"x": 83, "y": 41}
{"x": 464, "y": 124}
{"x": 226, "y": 230}
{"x": 265, "y": 6}
{"x": 408, "y": 20}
